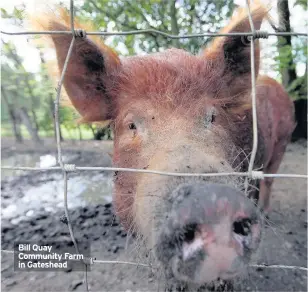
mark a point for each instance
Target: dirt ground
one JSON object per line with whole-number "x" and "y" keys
{"x": 284, "y": 241}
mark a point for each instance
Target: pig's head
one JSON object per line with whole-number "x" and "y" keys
{"x": 177, "y": 112}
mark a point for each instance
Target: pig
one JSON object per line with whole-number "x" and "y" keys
{"x": 178, "y": 112}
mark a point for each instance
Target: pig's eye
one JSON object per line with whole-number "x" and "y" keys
{"x": 132, "y": 126}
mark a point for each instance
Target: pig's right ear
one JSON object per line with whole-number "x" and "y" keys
{"x": 88, "y": 72}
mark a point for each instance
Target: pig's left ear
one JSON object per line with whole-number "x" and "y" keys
{"x": 231, "y": 55}
{"x": 90, "y": 68}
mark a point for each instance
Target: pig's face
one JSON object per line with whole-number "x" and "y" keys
{"x": 201, "y": 228}
{"x": 180, "y": 113}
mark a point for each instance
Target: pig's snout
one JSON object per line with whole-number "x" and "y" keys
{"x": 210, "y": 233}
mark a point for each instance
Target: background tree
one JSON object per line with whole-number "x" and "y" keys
{"x": 17, "y": 86}
{"x": 291, "y": 51}
{"x": 12, "y": 115}
{"x": 176, "y": 17}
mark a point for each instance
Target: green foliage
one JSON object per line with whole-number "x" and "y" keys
{"x": 303, "y": 3}
{"x": 291, "y": 58}
{"x": 25, "y": 89}
{"x": 17, "y": 16}
{"x": 34, "y": 92}
{"x": 191, "y": 16}
{"x": 298, "y": 88}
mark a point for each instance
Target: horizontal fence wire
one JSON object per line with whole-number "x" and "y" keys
{"x": 65, "y": 168}
{"x": 158, "y": 32}
{"x": 73, "y": 168}
{"x": 94, "y": 260}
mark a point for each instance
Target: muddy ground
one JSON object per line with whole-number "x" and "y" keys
{"x": 31, "y": 211}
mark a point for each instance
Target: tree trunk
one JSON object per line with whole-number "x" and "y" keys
{"x": 287, "y": 70}
{"x": 51, "y": 104}
{"x": 27, "y": 122}
{"x": 93, "y": 131}
{"x": 68, "y": 131}
{"x": 174, "y": 23}
{"x": 32, "y": 97}
{"x": 22, "y": 112}
{"x": 15, "y": 121}
{"x": 80, "y": 133}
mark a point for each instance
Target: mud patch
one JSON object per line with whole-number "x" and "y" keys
{"x": 26, "y": 192}
{"x": 48, "y": 196}
{"x": 284, "y": 241}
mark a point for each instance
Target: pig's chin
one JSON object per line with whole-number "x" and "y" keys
{"x": 192, "y": 265}
{"x": 201, "y": 269}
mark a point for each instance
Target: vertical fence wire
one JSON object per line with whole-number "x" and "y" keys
{"x": 253, "y": 98}
{"x": 58, "y": 138}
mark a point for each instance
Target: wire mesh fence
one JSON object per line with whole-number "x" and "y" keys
{"x": 65, "y": 168}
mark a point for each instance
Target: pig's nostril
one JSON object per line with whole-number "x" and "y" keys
{"x": 242, "y": 226}
{"x": 189, "y": 233}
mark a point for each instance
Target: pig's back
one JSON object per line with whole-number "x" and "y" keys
{"x": 275, "y": 111}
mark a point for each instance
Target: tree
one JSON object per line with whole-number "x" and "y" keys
{"x": 26, "y": 79}
{"x": 287, "y": 69}
{"x": 13, "y": 114}
{"x": 296, "y": 86}
{"x": 50, "y": 100}
{"x": 23, "y": 113}
{"x": 185, "y": 17}
{"x": 18, "y": 90}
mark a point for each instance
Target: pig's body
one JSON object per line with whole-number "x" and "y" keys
{"x": 275, "y": 113}
{"x": 177, "y": 112}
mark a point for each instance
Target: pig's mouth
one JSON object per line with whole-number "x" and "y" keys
{"x": 210, "y": 233}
